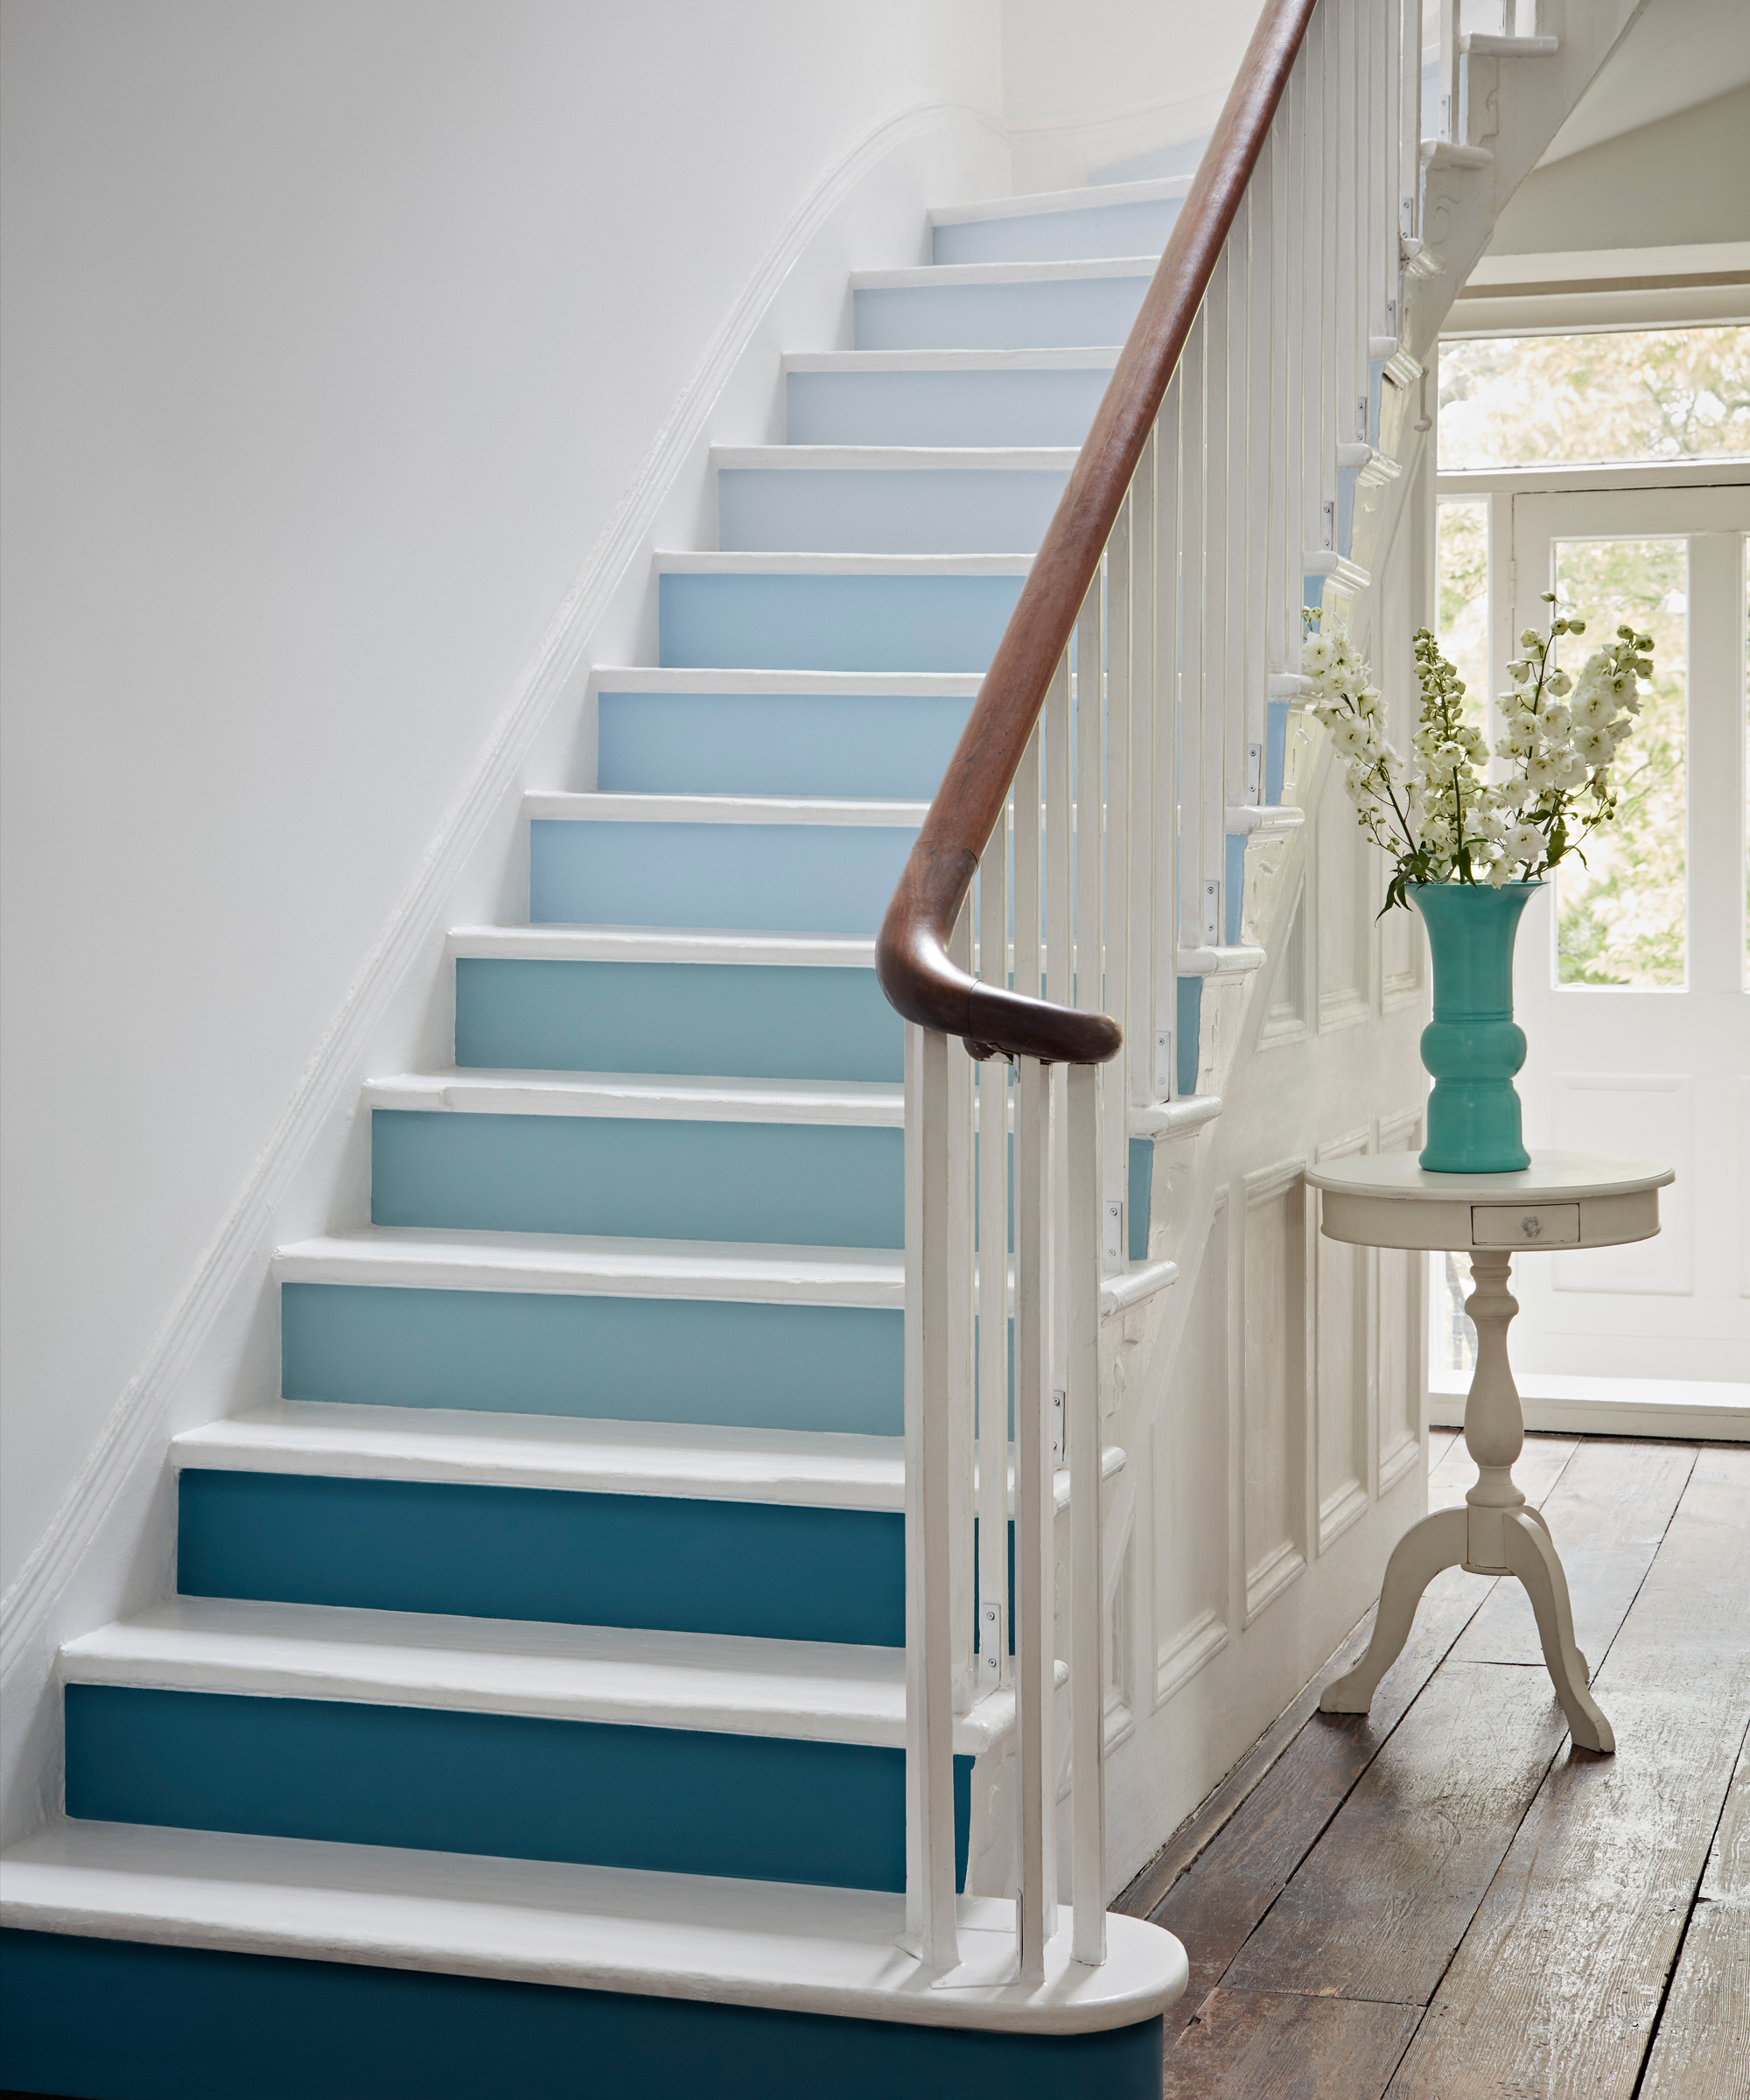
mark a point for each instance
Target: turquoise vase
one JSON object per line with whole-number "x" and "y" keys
{"x": 1472, "y": 1048}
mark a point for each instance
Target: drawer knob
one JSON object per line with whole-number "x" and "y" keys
{"x": 1531, "y": 1225}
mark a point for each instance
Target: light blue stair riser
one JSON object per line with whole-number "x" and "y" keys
{"x": 612, "y": 1359}
{"x": 1275, "y": 749}
{"x": 802, "y": 1185}
{"x": 511, "y": 1786}
{"x": 1064, "y": 313}
{"x": 797, "y": 878}
{"x": 1050, "y": 407}
{"x": 833, "y": 623}
{"x": 872, "y": 745}
{"x": 1110, "y": 229}
{"x": 682, "y": 1563}
{"x": 1233, "y": 886}
{"x": 884, "y": 510}
{"x": 734, "y": 1020}
{"x": 188, "y": 2023}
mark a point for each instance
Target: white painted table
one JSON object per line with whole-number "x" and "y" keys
{"x": 1561, "y": 1200}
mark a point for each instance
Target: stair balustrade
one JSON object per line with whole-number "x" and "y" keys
{"x": 1074, "y": 881}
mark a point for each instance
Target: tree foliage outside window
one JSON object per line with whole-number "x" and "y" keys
{"x": 1667, "y": 394}
{"x": 1463, "y": 584}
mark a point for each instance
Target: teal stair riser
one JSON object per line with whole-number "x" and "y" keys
{"x": 873, "y": 746}
{"x": 1067, "y": 313}
{"x": 732, "y": 1020}
{"x": 669, "y": 1561}
{"x": 1113, "y": 229}
{"x": 942, "y": 408}
{"x": 795, "y": 1184}
{"x": 884, "y": 510}
{"x": 816, "y": 621}
{"x": 805, "y": 879}
{"x": 1473, "y": 1046}
{"x": 507, "y": 1785}
{"x": 614, "y": 1358}
{"x": 1187, "y": 1049}
{"x": 183, "y": 2023}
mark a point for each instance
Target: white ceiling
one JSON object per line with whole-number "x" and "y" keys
{"x": 1675, "y": 54}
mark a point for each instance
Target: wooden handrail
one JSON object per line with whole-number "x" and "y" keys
{"x": 911, "y": 953}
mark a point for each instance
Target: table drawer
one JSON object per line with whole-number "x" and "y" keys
{"x": 1525, "y": 1225}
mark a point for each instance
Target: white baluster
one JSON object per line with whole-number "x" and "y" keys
{"x": 1035, "y": 1772}
{"x": 1175, "y": 649}
{"x": 1205, "y": 784}
{"x": 993, "y": 1287}
{"x": 1087, "y": 1653}
{"x": 958, "y": 1169}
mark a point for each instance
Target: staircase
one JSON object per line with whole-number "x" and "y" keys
{"x": 532, "y": 1711}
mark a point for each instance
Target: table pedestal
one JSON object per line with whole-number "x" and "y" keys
{"x": 1496, "y": 1533}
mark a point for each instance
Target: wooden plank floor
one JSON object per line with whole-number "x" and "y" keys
{"x": 1444, "y": 1899}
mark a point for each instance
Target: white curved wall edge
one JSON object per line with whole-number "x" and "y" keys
{"x": 108, "y": 1547}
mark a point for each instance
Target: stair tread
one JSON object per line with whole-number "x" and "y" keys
{"x": 609, "y": 1929}
{"x": 721, "y": 1683}
{"x": 717, "y": 561}
{"x": 619, "y": 806}
{"x": 439, "y": 1257}
{"x": 1156, "y": 189}
{"x": 814, "y": 1468}
{"x": 1077, "y": 357}
{"x": 872, "y": 1104}
{"x": 670, "y": 678}
{"x": 934, "y": 276}
{"x": 661, "y": 944}
{"x": 987, "y": 459}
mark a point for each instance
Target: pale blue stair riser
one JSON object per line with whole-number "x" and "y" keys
{"x": 1275, "y": 749}
{"x": 884, "y": 510}
{"x": 793, "y": 1183}
{"x": 182, "y": 2023}
{"x": 696, "y": 1360}
{"x": 1014, "y": 407}
{"x": 733, "y": 1020}
{"x": 801, "y": 879}
{"x": 512, "y": 1785}
{"x": 820, "y": 622}
{"x": 885, "y": 747}
{"x": 1133, "y": 228}
{"x": 682, "y": 1563}
{"x": 1064, "y": 313}
{"x": 1233, "y": 886}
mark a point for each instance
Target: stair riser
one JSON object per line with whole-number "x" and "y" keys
{"x": 792, "y": 1184}
{"x": 1113, "y": 229}
{"x": 612, "y": 1359}
{"x": 885, "y": 749}
{"x": 510, "y": 1786}
{"x": 834, "y": 623}
{"x": 733, "y": 1020}
{"x": 182, "y": 2023}
{"x": 884, "y": 510}
{"x": 666, "y": 1562}
{"x": 801, "y": 879}
{"x": 1069, "y": 313}
{"x": 942, "y": 408}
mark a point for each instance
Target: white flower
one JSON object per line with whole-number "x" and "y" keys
{"x": 1559, "y": 685}
{"x": 1557, "y": 721}
{"x": 1524, "y": 841}
{"x": 1540, "y": 772}
{"x": 1574, "y": 771}
{"x": 1351, "y": 737}
{"x": 1596, "y": 747}
{"x": 1501, "y": 873}
{"x": 1317, "y": 656}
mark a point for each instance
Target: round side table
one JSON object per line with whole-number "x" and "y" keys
{"x": 1561, "y": 1200}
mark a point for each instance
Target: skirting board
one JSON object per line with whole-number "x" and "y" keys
{"x": 1715, "y": 1411}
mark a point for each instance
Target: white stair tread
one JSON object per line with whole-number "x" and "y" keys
{"x": 604, "y": 1928}
{"x": 866, "y": 1103}
{"x": 433, "y": 1257}
{"x": 666, "y": 678}
{"x": 932, "y": 277}
{"x": 725, "y": 1684}
{"x": 660, "y": 944}
{"x": 1264, "y": 819}
{"x": 1155, "y": 190}
{"x": 818, "y": 1468}
{"x": 1081, "y": 357}
{"x": 1218, "y": 962}
{"x": 1174, "y": 1118}
{"x": 712, "y": 562}
{"x": 616, "y": 807}
{"x": 1038, "y": 459}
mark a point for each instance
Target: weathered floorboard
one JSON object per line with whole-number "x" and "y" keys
{"x": 1541, "y": 1465}
{"x": 1557, "y": 1983}
{"x": 1607, "y": 1513}
{"x": 1242, "y": 2044}
{"x": 1386, "y": 1896}
{"x": 1702, "y": 2049}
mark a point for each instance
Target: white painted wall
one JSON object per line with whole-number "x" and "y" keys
{"x": 334, "y": 337}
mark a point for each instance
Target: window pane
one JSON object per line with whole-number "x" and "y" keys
{"x": 1463, "y": 544}
{"x": 1621, "y": 918}
{"x": 1511, "y": 400}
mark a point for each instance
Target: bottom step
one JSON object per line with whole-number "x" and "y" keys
{"x": 229, "y": 1965}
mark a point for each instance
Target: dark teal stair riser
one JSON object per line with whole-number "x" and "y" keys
{"x": 612, "y": 1359}
{"x": 733, "y": 1021}
{"x": 513, "y": 1786}
{"x": 489, "y": 1552}
{"x": 183, "y": 2024}
{"x": 813, "y": 1185}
